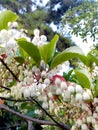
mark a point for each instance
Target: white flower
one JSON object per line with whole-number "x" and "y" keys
{"x": 26, "y": 92}
{"x": 45, "y": 105}
{"x": 51, "y": 104}
{"x": 36, "y": 32}
{"x": 63, "y": 85}
{"x": 73, "y": 128}
{"x": 78, "y": 97}
{"x": 79, "y": 122}
{"x": 35, "y": 40}
{"x": 50, "y": 95}
{"x": 95, "y": 100}
{"x": 57, "y": 81}
{"x": 78, "y": 88}
{"x": 58, "y": 91}
{"x": 40, "y": 87}
{"x": 86, "y": 96}
{"x": 43, "y": 38}
{"x": 93, "y": 121}
{"x": 12, "y": 24}
{"x": 15, "y": 24}
{"x": 84, "y": 127}
{"x": 96, "y": 127}
{"x": 84, "y": 106}
{"x": 32, "y": 90}
{"x": 97, "y": 109}
{"x": 43, "y": 74}
{"x": 47, "y": 81}
{"x": 66, "y": 95}
{"x": 56, "y": 111}
{"x": 38, "y": 112}
{"x": 89, "y": 119}
{"x": 71, "y": 89}
{"x": 95, "y": 115}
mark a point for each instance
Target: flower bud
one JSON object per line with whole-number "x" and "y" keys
{"x": 78, "y": 88}
{"x": 45, "y": 105}
{"x": 84, "y": 127}
{"x": 86, "y": 96}
{"x": 78, "y": 97}
{"x": 26, "y": 93}
{"x": 71, "y": 89}
{"x": 63, "y": 85}
{"x": 36, "y": 32}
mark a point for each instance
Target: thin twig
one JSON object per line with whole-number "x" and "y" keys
{"x": 58, "y": 124}
{"x": 4, "y": 87}
{"x": 14, "y": 100}
{"x": 15, "y": 77}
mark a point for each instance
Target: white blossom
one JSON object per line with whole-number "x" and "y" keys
{"x": 78, "y": 88}
{"x": 63, "y": 85}
{"x": 57, "y": 81}
{"x": 89, "y": 119}
{"x": 26, "y": 92}
{"x": 95, "y": 100}
{"x": 78, "y": 97}
{"x": 84, "y": 127}
{"x": 86, "y": 96}
{"x": 58, "y": 91}
{"x": 97, "y": 109}
{"x": 45, "y": 105}
{"x": 47, "y": 81}
{"x": 96, "y": 126}
{"x": 43, "y": 38}
{"x": 71, "y": 89}
{"x": 79, "y": 122}
{"x": 36, "y": 32}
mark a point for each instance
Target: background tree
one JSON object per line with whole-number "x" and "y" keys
{"x": 32, "y": 16}
{"x": 83, "y": 20}
{"x": 56, "y": 8}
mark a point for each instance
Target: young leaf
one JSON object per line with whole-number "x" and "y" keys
{"x": 19, "y": 59}
{"x": 83, "y": 78}
{"x": 68, "y": 54}
{"x": 47, "y": 51}
{"x": 31, "y": 49}
{"x": 96, "y": 88}
{"x": 5, "y": 17}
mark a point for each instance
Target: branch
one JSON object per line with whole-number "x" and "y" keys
{"x": 65, "y": 127}
{"x": 41, "y": 122}
{"x": 37, "y": 121}
{"x": 15, "y": 77}
{"x": 61, "y": 125}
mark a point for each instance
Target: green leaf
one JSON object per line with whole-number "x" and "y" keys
{"x": 96, "y": 88}
{"x": 31, "y": 49}
{"x": 47, "y": 51}
{"x": 68, "y": 54}
{"x": 30, "y": 113}
{"x": 23, "y": 105}
{"x": 83, "y": 78}
{"x": 19, "y": 59}
{"x": 5, "y": 17}
{"x": 68, "y": 75}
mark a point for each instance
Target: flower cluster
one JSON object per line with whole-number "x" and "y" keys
{"x": 39, "y": 40}
{"x": 53, "y": 90}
